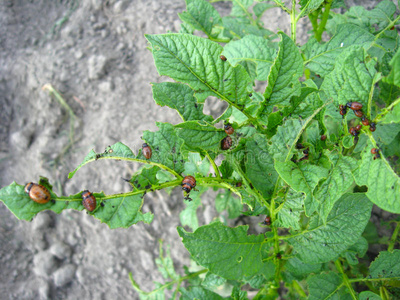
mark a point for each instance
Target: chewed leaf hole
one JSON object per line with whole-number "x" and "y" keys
{"x": 239, "y": 259}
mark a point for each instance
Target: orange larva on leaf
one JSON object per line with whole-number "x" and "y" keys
{"x": 146, "y": 150}
{"x": 358, "y": 113}
{"x": 226, "y": 143}
{"x": 365, "y": 121}
{"x": 222, "y": 58}
{"x": 354, "y": 105}
{"x": 229, "y": 129}
{"x": 37, "y": 193}
{"x": 88, "y": 200}
{"x": 188, "y": 183}
{"x": 267, "y": 221}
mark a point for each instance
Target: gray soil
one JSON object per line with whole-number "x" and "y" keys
{"x": 94, "y": 53}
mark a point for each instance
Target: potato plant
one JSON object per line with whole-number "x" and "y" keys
{"x": 310, "y": 141}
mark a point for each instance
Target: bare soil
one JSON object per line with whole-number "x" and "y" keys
{"x": 94, "y": 53}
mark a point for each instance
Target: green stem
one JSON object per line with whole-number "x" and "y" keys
{"x": 299, "y": 289}
{"x": 164, "y": 286}
{"x": 370, "y": 279}
{"x": 293, "y": 21}
{"x": 386, "y": 110}
{"x": 325, "y": 16}
{"x": 314, "y": 20}
{"x": 345, "y": 279}
{"x": 250, "y": 189}
{"x": 213, "y": 165}
{"x": 391, "y": 24}
{"x": 277, "y": 261}
{"x": 161, "y": 166}
{"x": 371, "y": 93}
{"x": 161, "y": 186}
{"x": 394, "y": 237}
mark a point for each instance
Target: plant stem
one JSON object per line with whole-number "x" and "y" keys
{"x": 386, "y": 110}
{"x": 213, "y": 164}
{"x": 325, "y": 16}
{"x": 371, "y": 93}
{"x": 394, "y": 237}
{"x": 299, "y": 289}
{"x": 164, "y": 286}
{"x": 314, "y": 20}
{"x": 391, "y": 24}
{"x": 345, "y": 279}
{"x": 293, "y": 21}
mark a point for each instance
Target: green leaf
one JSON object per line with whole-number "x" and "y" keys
{"x": 202, "y": 16}
{"x": 201, "y": 135}
{"x": 165, "y": 264}
{"x": 321, "y": 58}
{"x": 260, "y": 8}
{"x": 120, "y": 210}
{"x": 283, "y": 79}
{"x": 180, "y": 97}
{"x": 240, "y": 8}
{"x": 324, "y": 286}
{"x": 302, "y": 178}
{"x": 228, "y": 202}
{"x": 195, "y": 61}
{"x": 359, "y": 248}
{"x": 299, "y": 269}
{"x": 308, "y": 6}
{"x": 382, "y": 182}
{"x": 393, "y": 116}
{"x": 235, "y": 28}
{"x": 352, "y": 78}
{"x": 259, "y": 165}
{"x": 238, "y": 294}
{"x": 386, "y": 266}
{"x": 284, "y": 139}
{"x": 116, "y": 151}
{"x": 166, "y": 147}
{"x": 251, "y": 49}
{"x": 227, "y": 252}
{"x": 340, "y": 179}
{"x": 188, "y": 216}
{"x": 345, "y": 224}
{"x": 24, "y": 208}
{"x": 367, "y": 295}
{"x": 197, "y": 292}
{"x": 211, "y": 280}
{"x": 144, "y": 178}
{"x": 383, "y": 13}
{"x": 394, "y": 75}
{"x": 289, "y": 214}
{"x": 196, "y": 165}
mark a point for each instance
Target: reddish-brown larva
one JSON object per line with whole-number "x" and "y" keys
{"x": 226, "y": 143}
{"x": 188, "y": 183}
{"x": 88, "y": 200}
{"x": 37, "y": 193}
{"x": 146, "y": 150}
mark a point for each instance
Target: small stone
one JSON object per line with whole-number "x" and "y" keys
{"x": 146, "y": 260}
{"x": 96, "y": 66}
{"x": 64, "y": 275}
{"x": 120, "y": 6}
{"x": 44, "y": 264}
{"x": 21, "y": 139}
{"x": 44, "y": 290}
{"x": 60, "y": 250}
{"x": 106, "y": 86}
{"x": 41, "y": 221}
